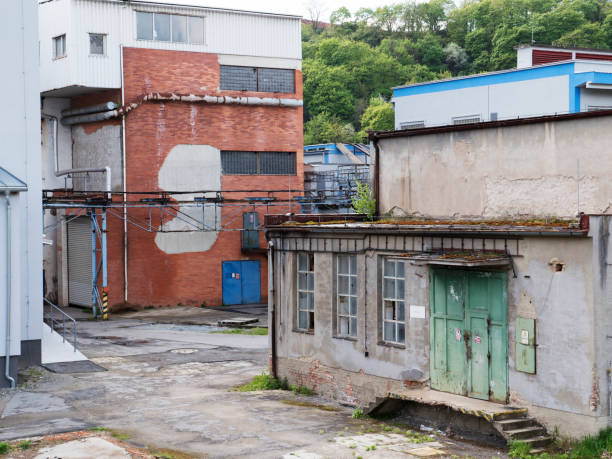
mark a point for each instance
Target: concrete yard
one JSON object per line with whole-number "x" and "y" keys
{"x": 168, "y": 387}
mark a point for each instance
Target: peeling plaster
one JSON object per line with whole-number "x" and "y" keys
{"x": 190, "y": 167}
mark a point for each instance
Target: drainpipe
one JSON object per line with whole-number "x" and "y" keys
{"x": 123, "y": 179}
{"x": 55, "y": 142}
{"x": 7, "y": 354}
{"x": 377, "y": 175}
{"x": 271, "y": 302}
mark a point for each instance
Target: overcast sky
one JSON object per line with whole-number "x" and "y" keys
{"x": 285, "y": 6}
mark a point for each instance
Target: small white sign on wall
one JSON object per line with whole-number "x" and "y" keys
{"x": 417, "y": 312}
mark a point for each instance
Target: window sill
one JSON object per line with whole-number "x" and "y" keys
{"x": 57, "y": 58}
{"x": 394, "y": 345}
{"x": 304, "y": 332}
{"x": 346, "y": 338}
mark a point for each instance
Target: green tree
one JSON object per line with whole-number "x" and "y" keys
{"x": 325, "y": 128}
{"x": 378, "y": 116}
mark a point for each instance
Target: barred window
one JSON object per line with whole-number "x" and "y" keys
{"x": 393, "y": 311}
{"x": 346, "y": 298}
{"x": 305, "y": 291}
{"x": 258, "y": 163}
{"x": 237, "y": 78}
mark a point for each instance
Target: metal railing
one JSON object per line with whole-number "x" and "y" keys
{"x": 56, "y": 319}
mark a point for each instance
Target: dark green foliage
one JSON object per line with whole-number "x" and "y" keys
{"x": 367, "y": 52}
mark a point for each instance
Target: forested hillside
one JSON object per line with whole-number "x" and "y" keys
{"x": 350, "y": 67}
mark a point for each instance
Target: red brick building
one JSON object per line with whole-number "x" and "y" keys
{"x": 208, "y": 105}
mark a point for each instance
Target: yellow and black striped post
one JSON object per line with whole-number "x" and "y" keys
{"x": 104, "y": 304}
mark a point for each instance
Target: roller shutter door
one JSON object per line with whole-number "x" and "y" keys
{"x": 79, "y": 262}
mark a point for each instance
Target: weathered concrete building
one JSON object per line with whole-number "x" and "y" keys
{"x": 485, "y": 291}
{"x": 144, "y": 99}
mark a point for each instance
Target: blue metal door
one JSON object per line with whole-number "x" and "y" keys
{"x": 241, "y": 282}
{"x": 232, "y": 288}
{"x": 251, "y": 290}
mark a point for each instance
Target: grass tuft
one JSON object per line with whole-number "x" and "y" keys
{"x": 264, "y": 381}
{"x": 358, "y": 413}
{"x": 4, "y": 447}
{"x": 23, "y": 445}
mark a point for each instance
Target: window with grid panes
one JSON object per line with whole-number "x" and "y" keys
{"x": 305, "y": 291}
{"x": 258, "y": 162}
{"x": 239, "y": 78}
{"x": 393, "y": 307}
{"x": 346, "y": 297}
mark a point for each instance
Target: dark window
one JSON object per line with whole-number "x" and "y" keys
{"x": 275, "y": 80}
{"x": 96, "y": 43}
{"x": 277, "y": 163}
{"x": 258, "y": 163}
{"x": 238, "y": 78}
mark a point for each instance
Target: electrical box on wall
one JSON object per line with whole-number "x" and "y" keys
{"x": 525, "y": 345}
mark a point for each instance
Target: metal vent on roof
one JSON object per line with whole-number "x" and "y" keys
{"x": 412, "y": 125}
{"x": 594, "y": 108}
{"x": 469, "y": 119}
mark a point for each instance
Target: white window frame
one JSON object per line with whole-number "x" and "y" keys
{"x": 393, "y": 310}
{"x": 54, "y": 40}
{"x": 305, "y": 291}
{"x": 103, "y": 35}
{"x": 346, "y": 317}
{"x": 187, "y": 31}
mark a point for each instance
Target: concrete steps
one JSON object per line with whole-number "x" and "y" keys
{"x": 519, "y": 427}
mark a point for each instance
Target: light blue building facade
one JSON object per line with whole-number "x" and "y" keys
{"x": 554, "y": 88}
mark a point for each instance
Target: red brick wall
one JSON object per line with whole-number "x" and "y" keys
{"x": 153, "y": 129}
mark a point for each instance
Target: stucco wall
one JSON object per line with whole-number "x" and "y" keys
{"x": 569, "y": 387}
{"x": 525, "y": 170}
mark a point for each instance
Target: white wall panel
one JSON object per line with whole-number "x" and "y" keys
{"x": 508, "y": 100}
{"x": 226, "y": 32}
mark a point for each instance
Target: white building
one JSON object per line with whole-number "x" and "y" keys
{"x": 547, "y": 81}
{"x": 20, "y": 193}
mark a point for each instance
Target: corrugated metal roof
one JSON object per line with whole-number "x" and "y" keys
{"x": 8, "y": 182}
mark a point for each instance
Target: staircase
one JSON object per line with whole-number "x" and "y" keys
{"x": 477, "y": 420}
{"x": 518, "y": 426}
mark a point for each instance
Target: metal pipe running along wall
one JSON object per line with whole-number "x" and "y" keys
{"x": 187, "y": 98}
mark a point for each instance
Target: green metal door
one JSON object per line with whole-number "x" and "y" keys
{"x": 469, "y": 333}
{"x": 449, "y": 358}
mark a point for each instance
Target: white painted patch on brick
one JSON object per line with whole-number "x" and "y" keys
{"x": 190, "y": 168}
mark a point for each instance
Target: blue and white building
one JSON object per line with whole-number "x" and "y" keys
{"x": 580, "y": 81}
{"x": 331, "y": 173}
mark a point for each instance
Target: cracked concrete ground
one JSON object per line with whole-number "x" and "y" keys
{"x": 168, "y": 386}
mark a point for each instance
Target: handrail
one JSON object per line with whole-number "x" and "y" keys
{"x": 64, "y": 317}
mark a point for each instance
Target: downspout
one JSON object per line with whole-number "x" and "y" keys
{"x": 123, "y": 179}
{"x": 55, "y": 142}
{"x": 7, "y": 353}
{"x": 376, "y": 175}
{"x": 272, "y": 306}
